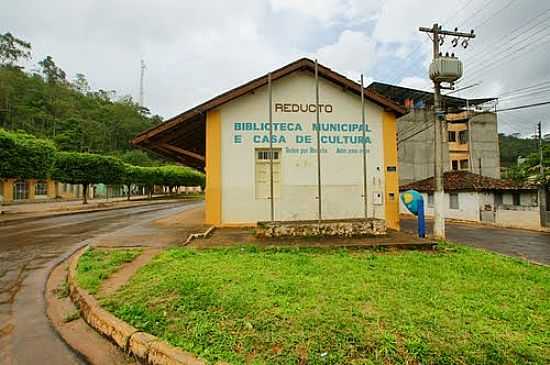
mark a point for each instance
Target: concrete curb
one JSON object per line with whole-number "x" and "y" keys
{"x": 194, "y": 236}
{"x": 145, "y": 347}
{"x": 84, "y": 211}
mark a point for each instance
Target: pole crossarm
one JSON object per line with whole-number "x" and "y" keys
{"x": 447, "y": 32}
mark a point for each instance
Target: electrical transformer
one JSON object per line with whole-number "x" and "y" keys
{"x": 446, "y": 69}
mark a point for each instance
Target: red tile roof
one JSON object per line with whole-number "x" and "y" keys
{"x": 467, "y": 181}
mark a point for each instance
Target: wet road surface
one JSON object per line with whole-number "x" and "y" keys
{"x": 534, "y": 246}
{"x": 28, "y": 251}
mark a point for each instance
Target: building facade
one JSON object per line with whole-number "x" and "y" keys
{"x": 474, "y": 198}
{"x": 30, "y": 190}
{"x": 237, "y": 157}
{"x": 471, "y": 142}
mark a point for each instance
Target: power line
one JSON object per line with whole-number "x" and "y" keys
{"x": 412, "y": 61}
{"x": 494, "y": 14}
{"x": 524, "y": 95}
{"x": 521, "y": 31}
{"x": 482, "y": 7}
{"x": 514, "y": 34}
{"x": 404, "y": 139}
{"x": 463, "y": 88}
{"x": 526, "y": 87}
{"x": 505, "y": 58}
{"x": 511, "y": 47}
{"x": 526, "y": 106}
{"x": 475, "y": 13}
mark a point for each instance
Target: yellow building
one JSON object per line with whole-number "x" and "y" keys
{"x": 229, "y": 137}
{"x": 20, "y": 190}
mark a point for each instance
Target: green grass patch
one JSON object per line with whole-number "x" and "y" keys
{"x": 96, "y": 265}
{"x": 288, "y": 306}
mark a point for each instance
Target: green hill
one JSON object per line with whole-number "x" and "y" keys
{"x": 46, "y": 104}
{"x": 77, "y": 120}
{"x": 512, "y": 147}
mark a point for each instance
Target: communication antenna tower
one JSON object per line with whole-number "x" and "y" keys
{"x": 142, "y": 73}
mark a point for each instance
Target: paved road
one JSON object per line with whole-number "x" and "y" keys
{"x": 29, "y": 250}
{"x": 534, "y": 246}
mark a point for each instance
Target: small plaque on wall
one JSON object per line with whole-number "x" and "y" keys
{"x": 391, "y": 168}
{"x": 378, "y": 200}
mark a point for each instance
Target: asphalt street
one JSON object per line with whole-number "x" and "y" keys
{"x": 28, "y": 251}
{"x": 532, "y": 245}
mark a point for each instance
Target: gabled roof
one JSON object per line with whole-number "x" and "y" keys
{"x": 301, "y": 64}
{"x": 467, "y": 181}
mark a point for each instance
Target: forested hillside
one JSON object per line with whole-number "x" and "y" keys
{"x": 512, "y": 147}
{"x": 45, "y": 103}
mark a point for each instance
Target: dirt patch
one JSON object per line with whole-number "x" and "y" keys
{"x": 193, "y": 217}
{"x": 121, "y": 276}
{"x": 74, "y": 331}
{"x": 225, "y": 237}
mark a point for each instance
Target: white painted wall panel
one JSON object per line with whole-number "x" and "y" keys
{"x": 468, "y": 207}
{"x": 520, "y": 218}
{"x": 342, "y": 176}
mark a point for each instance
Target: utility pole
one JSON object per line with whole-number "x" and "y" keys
{"x": 438, "y": 77}
{"x": 541, "y": 190}
{"x": 317, "y": 120}
{"x": 364, "y": 126}
{"x": 270, "y": 102}
{"x": 539, "y": 133}
{"x": 141, "y": 75}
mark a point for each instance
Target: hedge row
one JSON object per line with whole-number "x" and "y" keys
{"x": 25, "y": 156}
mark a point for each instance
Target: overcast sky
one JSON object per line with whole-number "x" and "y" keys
{"x": 196, "y": 49}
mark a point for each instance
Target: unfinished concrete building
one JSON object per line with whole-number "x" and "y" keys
{"x": 471, "y": 142}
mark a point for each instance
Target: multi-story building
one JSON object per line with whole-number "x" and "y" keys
{"x": 471, "y": 142}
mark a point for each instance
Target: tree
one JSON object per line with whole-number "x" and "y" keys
{"x": 138, "y": 158}
{"x": 530, "y": 168}
{"x": 25, "y": 156}
{"x": 147, "y": 176}
{"x": 82, "y": 122}
{"x": 52, "y": 73}
{"x": 13, "y": 49}
{"x": 511, "y": 147}
{"x": 86, "y": 169}
{"x": 80, "y": 84}
{"x": 138, "y": 175}
{"x": 175, "y": 176}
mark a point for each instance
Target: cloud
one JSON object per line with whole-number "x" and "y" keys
{"x": 194, "y": 50}
{"x": 330, "y": 11}
{"x": 415, "y": 82}
{"x": 352, "y": 54}
{"x": 324, "y": 10}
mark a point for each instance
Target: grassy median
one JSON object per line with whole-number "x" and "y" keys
{"x": 288, "y": 306}
{"x": 96, "y": 265}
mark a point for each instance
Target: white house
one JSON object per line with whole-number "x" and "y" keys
{"x": 475, "y": 198}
